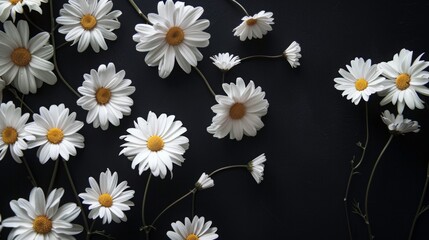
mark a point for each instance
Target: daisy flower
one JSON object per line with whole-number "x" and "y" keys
{"x": 256, "y": 167}
{"x": 399, "y": 125}
{"x": 360, "y": 81}
{"x": 254, "y": 27}
{"x": 292, "y": 54}
{"x": 239, "y": 112}
{"x": 43, "y": 218}
{"x": 11, "y": 7}
{"x": 204, "y": 182}
{"x": 195, "y": 230}
{"x": 13, "y": 133}
{"x": 108, "y": 200}
{"x": 225, "y": 61}
{"x": 155, "y": 143}
{"x": 23, "y": 61}
{"x": 176, "y": 34}
{"x": 89, "y": 22}
{"x": 56, "y": 133}
{"x": 105, "y": 96}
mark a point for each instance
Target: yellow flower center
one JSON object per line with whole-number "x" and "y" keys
{"x": 55, "y": 135}
{"x": 192, "y": 237}
{"x": 9, "y": 135}
{"x": 105, "y": 200}
{"x": 21, "y": 56}
{"x": 103, "y": 95}
{"x": 361, "y": 84}
{"x": 175, "y": 36}
{"x": 88, "y": 22}
{"x": 251, "y": 21}
{"x": 403, "y": 81}
{"x": 237, "y": 111}
{"x": 14, "y": 2}
{"x": 155, "y": 143}
{"x": 42, "y": 224}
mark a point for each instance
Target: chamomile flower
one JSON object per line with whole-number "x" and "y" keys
{"x": 254, "y": 26}
{"x": 256, "y": 167}
{"x": 293, "y": 54}
{"x": 155, "y": 144}
{"x": 43, "y": 218}
{"x": 399, "y": 125}
{"x": 225, "y": 61}
{"x": 360, "y": 81}
{"x": 56, "y": 133}
{"x": 12, "y": 7}
{"x": 89, "y": 22}
{"x": 176, "y": 34}
{"x": 239, "y": 112}
{"x": 105, "y": 96}
{"x": 13, "y": 133}
{"x": 23, "y": 61}
{"x": 108, "y": 200}
{"x": 404, "y": 80}
{"x": 204, "y": 182}
{"x": 198, "y": 229}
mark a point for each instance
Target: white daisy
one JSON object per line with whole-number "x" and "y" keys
{"x": 156, "y": 144}
{"x": 360, "y": 81}
{"x": 56, "y": 133}
{"x": 293, "y": 54}
{"x": 225, "y": 61}
{"x": 255, "y": 26}
{"x": 108, "y": 200}
{"x": 198, "y": 229}
{"x": 256, "y": 167}
{"x": 404, "y": 81}
{"x": 399, "y": 125}
{"x": 105, "y": 96}
{"x": 176, "y": 34}
{"x": 239, "y": 112}
{"x": 23, "y": 61}
{"x": 11, "y": 7}
{"x": 204, "y": 182}
{"x": 89, "y": 22}
{"x": 43, "y": 218}
{"x": 2, "y": 86}
{"x": 13, "y": 133}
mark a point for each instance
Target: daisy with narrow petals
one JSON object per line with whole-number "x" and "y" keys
{"x": 89, "y": 22}
{"x": 105, "y": 96}
{"x": 360, "y": 81}
{"x": 12, "y": 7}
{"x": 176, "y": 34}
{"x": 108, "y": 200}
{"x": 204, "y": 182}
{"x": 43, "y": 218}
{"x": 256, "y": 167}
{"x": 293, "y": 54}
{"x": 225, "y": 61}
{"x": 399, "y": 125}
{"x": 56, "y": 133}
{"x": 404, "y": 80}
{"x": 155, "y": 144}
{"x": 23, "y": 61}
{"x": 254, "y": 26}
{"x": 13, "y": 133}
{"x": 198, "y": 229}
{"x": 239, "y": 112}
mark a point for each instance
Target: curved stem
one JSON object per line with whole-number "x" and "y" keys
{"x": 61, "y": 45}
{"x": 30, "y": 173}
{"x": 145, "y": 226}
{"x": 241, "y": 6}
{"x": 261, "y": 56}
{"x": 20, "y": 99}
{"x": 205, "y": 80}
{"x": 32, "y": 23}
{"x": 141, "y": 14}
{"x": 226, "y": 168}
{"x": 54, "y": 176}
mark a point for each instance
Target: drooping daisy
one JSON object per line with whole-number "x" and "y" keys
{"x": 198, "y": 229}
{"x": 255, "y": 26}
{"x": 24, "y": 62}
{"x": 404, "y": 81}
{"x": 105, "y": 96}
{"x": 155, "y": 144}
{"x": 108, "y": 200}
{"x": 43, "y": 218}
{"x": 13, "y": 133}
{"x": 360, "y": 81}
{"x": 399, "y": 125}
{"x": 204, "y": 182}
{"x": 225, "y": 61}
{"x": 89, "y": 22}
{"x": 11, "y": 7}
{"x": 293, "y": 54}
{"x": 176, "y": 34}
{"x": 256, "y": 167}
{"x": 56, "y": 133}
{"x": 239, "y": 112}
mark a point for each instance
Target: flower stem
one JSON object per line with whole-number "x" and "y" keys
{"x": 241, "y": 6}
{"x": 20, "y": 99}
{"x": 205, "y": 80}
{"x": 139, "y": 11}
{"x": 193, "y": 203}
{"x": 223, "y": 76}
{"x": 32, "y": 23}
{"x": 30, "y": 173}
{"x": 145, "y": 227}
{"x": 54, "y": 176}
{"x": 61, "y": 45}
{"x": 261, "y": 56}
{"x": 226, "y": 168}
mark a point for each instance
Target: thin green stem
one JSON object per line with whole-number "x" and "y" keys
{"x": 226, "y": 168}
{"x": 223, "y": 76}
{"x": 261, "y": 56}
{"x": 145, "y": 227}
{"x": 20, "y": 99}
{"x": 205, "y": 81}
{"x": 193, "y": 203}
{"x": 141, "y": 14}
{"x": 30, "y": 173}
{"x": 61, "y": 45}
{"x": 241, "y": 6}
{"x": 32, "y": 23}
{"x": 54, "y": 176}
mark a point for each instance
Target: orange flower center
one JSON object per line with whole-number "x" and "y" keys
{"x": 155, "y": 143}
{"x": 42, "y": 224}
{"x": 14, "y": 2}
{"x": 103, "y": 95}
{"x": 361, "y": 84}
{"x": 237, "y": 111}
{"x": 175, "y": 36}
{"x": 55, "y": 135}
{"x": 251, "y": 21}
{"x": 9, "y": 135}
{"x": 21, "y": 56}
{"x": 403, "y": 81}
{"x": 192, "y": 237}
{"x": 105, "y": 200}
{"x": 88, "y": 22}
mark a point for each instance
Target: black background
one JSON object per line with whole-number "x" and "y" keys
{"x": 310, "y": 131}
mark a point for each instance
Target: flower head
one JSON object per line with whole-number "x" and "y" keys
{"x": 239, "y": 112}
{"x": 11, "y": 7}
{"x": 108, "y": 200}
{"x": 89, "y": 22}
{"x": 292, "y": 54}
{"x": 204, "y": 182}
{"x": 256, "y": 167}
{"x": 255, "y": 26}
{"x": 225, "y": 61}
{"x": 399, "y": 125}
{"x": 105, "y": 96}
{"x": 360, "y": 81}
{"x": 43, "y": 218}
{"x": 56, "y": 133}
{"x": 176, "y": 34}
{"x": 195, "y": 230}
{"x": 13, "y": 133}
{"x": 404, "y": 80}
{"x": 155, "y": 143}
{"x": 23, "y": 61}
